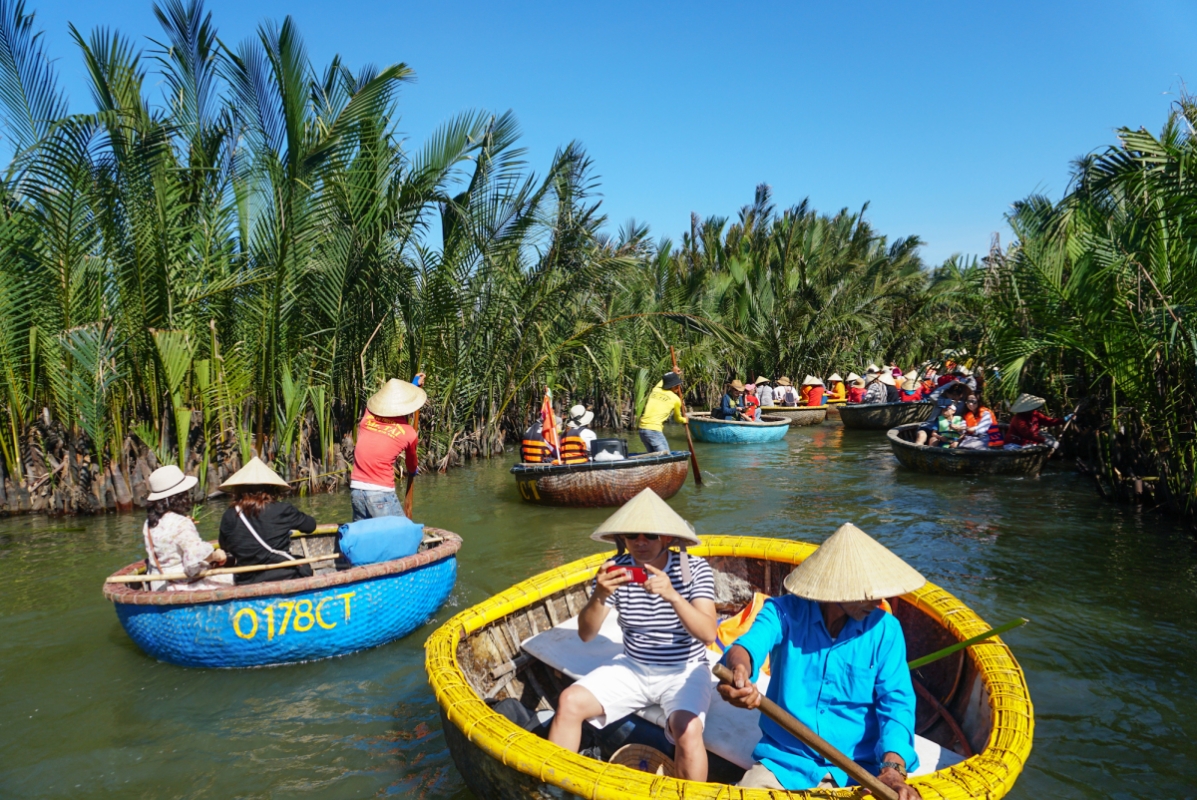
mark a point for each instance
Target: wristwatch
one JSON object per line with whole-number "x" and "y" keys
{"x": 901, "y": 768}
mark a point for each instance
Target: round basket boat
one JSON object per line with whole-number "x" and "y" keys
{"x": 334, "y": 612}
{"x": 833, "y": 407}
{"x": 608, "y": 483}
{"x": 883, "y": 416}
{"x": 706, "y": 428}
{"x": 477, "y": 658}
{"x": 797, "y": 415}
{"x": 949, "y": 461}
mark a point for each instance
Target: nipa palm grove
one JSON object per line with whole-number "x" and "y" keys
{"x": 236, "y": 247}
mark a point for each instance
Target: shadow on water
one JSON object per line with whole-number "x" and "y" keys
{"x": 1109, "y": 654}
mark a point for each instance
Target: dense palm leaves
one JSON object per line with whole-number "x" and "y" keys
{"x": 236, "y": 265}
{"x": 1094, "y": 304}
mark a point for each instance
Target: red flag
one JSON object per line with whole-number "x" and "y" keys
{"x": 549, "y": 425}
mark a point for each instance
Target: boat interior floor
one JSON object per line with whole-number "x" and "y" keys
{"x": 311, "y": 545}
{"x": 730, "y": 733}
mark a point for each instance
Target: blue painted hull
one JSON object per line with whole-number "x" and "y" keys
{"x": 705, "y": 429}
{"x": 292, "y": 624}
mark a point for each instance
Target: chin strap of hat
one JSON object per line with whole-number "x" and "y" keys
{"x": 685, "y": 564}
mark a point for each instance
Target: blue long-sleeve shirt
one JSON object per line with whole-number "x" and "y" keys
{"x": 855, "y": 691}
{"x": 729, "y": 408}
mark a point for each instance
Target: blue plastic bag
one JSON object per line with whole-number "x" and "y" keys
{"x": 369, "y": 541}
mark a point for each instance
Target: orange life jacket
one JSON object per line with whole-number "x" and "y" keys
{"x": 994, "y": 432}
{"x": 534, "y": 449}
{"x": 574, "y": 449}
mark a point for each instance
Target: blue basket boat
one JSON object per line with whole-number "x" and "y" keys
{"x": 334, "y": 612}
{"x": 706, "y": 428}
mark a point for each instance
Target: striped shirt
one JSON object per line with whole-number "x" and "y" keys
{"x": 652, "y": 631}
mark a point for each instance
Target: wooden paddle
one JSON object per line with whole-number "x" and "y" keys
{"x": 409, "y": 498}
{"x": 689, "y": 437}
{"x": 980, "y": 637}
{"x": 805, "y": 735}
{"x": 180, "y": 576}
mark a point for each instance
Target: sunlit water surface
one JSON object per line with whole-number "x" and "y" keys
{"x": 1110, "y": 654}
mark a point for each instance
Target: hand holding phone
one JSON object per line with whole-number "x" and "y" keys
{"x": 635, "y": 574}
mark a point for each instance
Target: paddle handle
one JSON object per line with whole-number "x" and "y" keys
{"x": 689, "y": 437}
{"x": 180, "y": 576}
{"x": 802, "y": 733}
{"x": 409, "y": 498}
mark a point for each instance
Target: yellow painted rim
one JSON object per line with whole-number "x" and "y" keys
{"x": 989, "y": 774}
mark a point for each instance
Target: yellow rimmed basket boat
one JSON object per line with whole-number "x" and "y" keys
{"x": 979, "y": 694}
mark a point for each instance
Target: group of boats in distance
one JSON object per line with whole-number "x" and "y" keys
{"x": 974, "y": 716}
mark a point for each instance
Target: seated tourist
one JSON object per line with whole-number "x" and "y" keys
{"x": 856, "y": 391}
{"x": 874, "y": 388}
{"x": 575, "y": 445}
{"x": 256, "y": 527}
{"x": 1024, "y": 428}
{"x": 837, "y": 392}
{"x": 664, "y": 400}
{"x": 814, "y": 390}
{"x": 764, "y": 392}
{"x": 912, "y": 390}
{"x": 838, "y": 664}
{"x": 948, "y": 428}
{"x": 172, "y": 543}
{"x": 752, "y": 405}
{"x": 981, "y": 430}
{"x": 785, "y": 395}
{"x": 891, "y": 388}
{"x": 668, "y": 620}
{"x": 534, "y": 449}
{"x": 732, "y": 405}
{"x": 950, "y": 393}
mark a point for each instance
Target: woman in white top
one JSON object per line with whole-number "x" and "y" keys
{"x": 172, "y": 542}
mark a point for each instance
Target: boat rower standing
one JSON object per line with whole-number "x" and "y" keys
{"x": 384, "y": 434}
{"x": 664, "y": 400}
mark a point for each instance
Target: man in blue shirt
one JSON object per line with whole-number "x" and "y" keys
{"x": 838, "y": 663}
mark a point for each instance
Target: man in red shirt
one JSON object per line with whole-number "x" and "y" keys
{"x": 384, "y": 435}
{"x": 1024, "y": 428}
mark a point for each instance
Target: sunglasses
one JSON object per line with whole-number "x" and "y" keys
{"x": 652, "y": 537}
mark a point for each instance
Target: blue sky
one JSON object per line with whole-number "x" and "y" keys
{"x": 938, "y": 114}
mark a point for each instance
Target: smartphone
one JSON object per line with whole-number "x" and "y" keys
{"x": 638, "y": 574}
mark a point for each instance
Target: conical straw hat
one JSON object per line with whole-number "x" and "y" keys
{"x": 784, "y": 380}
{"x": 1026, "y": 402}
{"x": 851, "y": 567}
{"x": 646, "y": 513}
{"x": 887, "y": 379}
{"x": 835, "y": 376}
{"x": 255, "y": 473}
{"x": 396, "y": 399}
{"x": 852, "y": 376}
{"x": 761, "y": 380}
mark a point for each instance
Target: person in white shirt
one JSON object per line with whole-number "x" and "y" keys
{"x": 764, "y": 392}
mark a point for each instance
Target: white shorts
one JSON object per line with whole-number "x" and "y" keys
{"x": 627, "y": 686}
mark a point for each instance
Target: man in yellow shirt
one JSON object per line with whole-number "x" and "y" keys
{"x": 663, "y": 401}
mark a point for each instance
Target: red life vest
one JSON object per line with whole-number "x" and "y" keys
{"x": 994, "y": 432}
{"x": 574, "y": 449}
{"x": 534, "y": 449}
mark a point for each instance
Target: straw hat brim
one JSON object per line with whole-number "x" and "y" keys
{"x": 1027, "y": 402}
{"x": 760, "y": 380}
{"x": 185, "y": 485}
{"x": 736, "y": 385}
{"x": 784, "y": 381}
{"x": 887, "y": 379}
{"x": 852, "y": 567}
{"x": 646, "y": 513}
{"x": 585, "y": 419}
{"x": 835, "y": 376}
{"x": 255, "y": 473}
{"x": 397, "y": 399}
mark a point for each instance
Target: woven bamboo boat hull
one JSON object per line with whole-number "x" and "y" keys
{"x": 610, "y": 483}
{"x": 945, "y": 461}
{"x": 476, "y": 656}
{"x": 706, "y": 428}
{"x": 797, "y": 415}
{"x": 331, "y": 613}
{"x": 883, "y": 416}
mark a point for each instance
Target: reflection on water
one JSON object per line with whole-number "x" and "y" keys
{"x": 1109, "y": 654}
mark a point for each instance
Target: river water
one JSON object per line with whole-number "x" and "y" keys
{"x": 1110, "y": 654}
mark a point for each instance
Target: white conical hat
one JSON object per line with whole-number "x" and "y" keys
{"x": 851, "y": 567}
{"x": 835, "y": 376}
{"x": 255, "y": 473}
{"x": 873, "y": 368}
{"x": 1026, "y": 402}
{"x": 887, "y": 379}
{"x": 852, "y": 376}
{"x": 396, "y": 399}
{"x": 646, "y": 513}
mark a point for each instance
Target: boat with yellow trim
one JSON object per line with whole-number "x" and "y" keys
{"x": 974, "y": 706}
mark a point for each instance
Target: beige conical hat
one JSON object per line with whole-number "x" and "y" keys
{"x": 784, "y": 380}
{"x": 646, "y": 513}
{"x": 396, "y": 399}
{"x": 835, "y": 376}
{"x": 887, "y": 379}
{"x": 851, "y": 567}
{"x": 255, "y": 473}
{"x": 1026, "y": 402}
{"x": 852, "y": 376}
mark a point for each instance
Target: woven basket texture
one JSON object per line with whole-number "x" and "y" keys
{"x": 706, "y": 428}
{"x": 797, "y": 416}
{"x": 883, "y": 416}
{"x": 948, "y": 461}
{"x": 596, "y": 487}
{"x": 499, "y": 759}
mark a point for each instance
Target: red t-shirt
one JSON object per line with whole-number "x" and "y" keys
{"x": 856, "y": 394}
{"x": 751, "y": 404}
{"x": 1024, "y": 427}
{"x": 815, "y": 396}
{"x": 380, "y": 442}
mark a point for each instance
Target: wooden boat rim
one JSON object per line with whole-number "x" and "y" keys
{"x": 895, "y": 438}
{"x": 989, "y": 773}
{"x": 124, "y": 593}
{"x": 705, "y": 416}
{"x": 634, "y": 460}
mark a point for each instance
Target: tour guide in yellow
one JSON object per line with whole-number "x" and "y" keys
{"x": 838, "y": 664}
{"x": 662, "y": 401}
